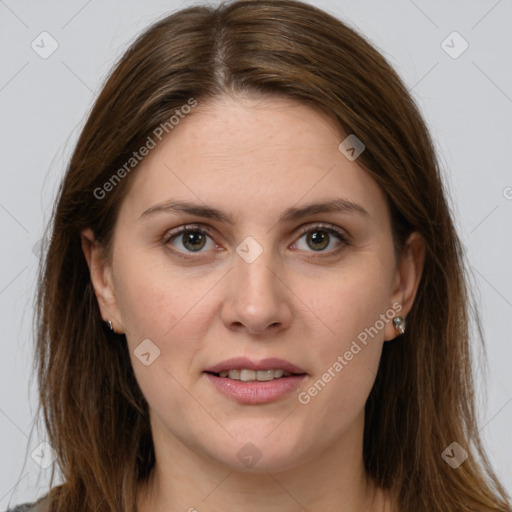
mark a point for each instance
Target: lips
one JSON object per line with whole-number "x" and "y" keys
{"x": 239, "y": 363}
{"x": 255, "y": 382}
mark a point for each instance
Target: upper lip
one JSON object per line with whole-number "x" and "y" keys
{"x": 238, "y": 363}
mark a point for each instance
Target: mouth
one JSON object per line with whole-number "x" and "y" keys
{"x": 247, "y": 370}
{"x": 250, "y": 382}
{"x": 247, "y": 375}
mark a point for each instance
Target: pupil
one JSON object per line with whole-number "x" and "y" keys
{"x": 190, "y": 241}
{"x": 317, "y": 237}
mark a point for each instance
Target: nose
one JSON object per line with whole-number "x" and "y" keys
{"x": 257, "y": 300}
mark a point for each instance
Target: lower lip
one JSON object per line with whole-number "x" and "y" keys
{"x": 256, "y": 392}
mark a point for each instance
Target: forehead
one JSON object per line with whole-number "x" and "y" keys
{"x": 258, "y": 155}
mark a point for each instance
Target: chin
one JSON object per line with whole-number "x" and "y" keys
{"x": 260, "y": 453}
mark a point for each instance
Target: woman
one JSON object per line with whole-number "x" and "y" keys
{"x": 254, "y": 297}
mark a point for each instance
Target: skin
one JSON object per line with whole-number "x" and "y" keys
{"x": 253, "y": 158}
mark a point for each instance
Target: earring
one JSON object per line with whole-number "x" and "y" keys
{"x": 110, "y": 325}
{"x": 399, "y": 322}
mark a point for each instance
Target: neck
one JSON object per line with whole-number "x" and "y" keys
{"x": 332, "y": 481}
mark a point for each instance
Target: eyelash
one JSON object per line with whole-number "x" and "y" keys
{"x": 198, "y": 228}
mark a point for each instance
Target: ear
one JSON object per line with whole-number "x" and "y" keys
{"x": 407, "y": 279}
{"x": 102, "y": 281}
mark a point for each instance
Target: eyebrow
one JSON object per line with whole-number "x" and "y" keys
{"x": 338, "y": 205}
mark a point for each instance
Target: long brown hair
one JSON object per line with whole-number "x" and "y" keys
{"x": 94, "y": 412}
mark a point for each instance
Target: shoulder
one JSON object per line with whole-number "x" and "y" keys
{"x": 26, "y": 507}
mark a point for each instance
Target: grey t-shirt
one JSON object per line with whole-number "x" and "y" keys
{"x": 26, "y": 507}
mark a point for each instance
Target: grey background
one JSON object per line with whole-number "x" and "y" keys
{"x": 467, "y": 103}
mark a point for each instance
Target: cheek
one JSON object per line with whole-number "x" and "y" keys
{"x": 158, "y": 314}
{"x": 348, "y": 344}
{"x": 351, "y": 304}
{"x": 154, "y": 296}
{"x": 162, "y": 330}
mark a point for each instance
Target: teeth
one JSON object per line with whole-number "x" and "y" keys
{"x": 234, "y": 374}
{"x": 246, "y": 375}
{"x": 263, "y": 375}
{"x": 251, "y": 375}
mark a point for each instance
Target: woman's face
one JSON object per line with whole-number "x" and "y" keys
{"x": 261, "y": 275}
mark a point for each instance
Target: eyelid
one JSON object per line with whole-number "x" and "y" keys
{"x": 188, "y": 227}
{"x": 330, "y": 228}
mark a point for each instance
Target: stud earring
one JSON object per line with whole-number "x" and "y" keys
{"x": 399, "y": 323}
{"x": 110, "y": 325}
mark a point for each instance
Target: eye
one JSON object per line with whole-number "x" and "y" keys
{"x": 320, "y": 237}
{"x": 190, "y": 239}
{"x": 193, "y": 239}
